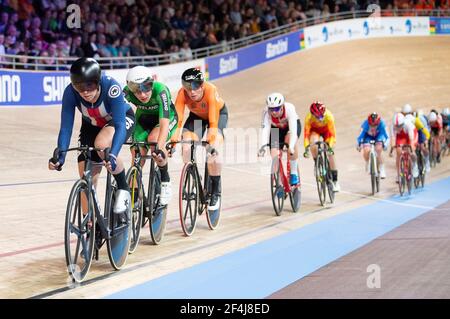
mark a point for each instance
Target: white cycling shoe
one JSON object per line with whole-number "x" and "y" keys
{"x": 122, "y": 203}
{"x": 336, "y": 187}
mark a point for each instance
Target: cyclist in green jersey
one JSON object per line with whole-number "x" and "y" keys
{"x": 156, "y": 119}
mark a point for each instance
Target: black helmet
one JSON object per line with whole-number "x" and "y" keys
{"x": 192, "y": 79}
{"x": 85, "y": 74}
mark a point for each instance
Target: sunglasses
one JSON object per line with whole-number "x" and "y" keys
{"x": 192, "y": 86}
{"x": 85, "y": 86}
{"x": 275, "y": 109}
{"x": 144, "y": 87}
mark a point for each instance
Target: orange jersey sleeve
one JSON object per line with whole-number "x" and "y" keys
{"x": 180, "y": 104}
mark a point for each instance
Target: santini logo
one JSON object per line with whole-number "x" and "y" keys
{"x": 228, "y": 64}
{"x": 274, "y": 49}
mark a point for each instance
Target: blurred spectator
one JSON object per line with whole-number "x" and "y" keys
{"x": 174, "y": 56}
{"x": 91, "y": 48}
{"x": 235, "y": 13}
{"x": 112, "y": 28}
{"x": 2, "y": 48}
{"x": 4, "y": 18}
{"x": 21, "y": 60}
{"x": 102, "y": 48}
{"x": 185, "y": 52}
{"x": 124, "y": 48}
{"x": 136, "y": 48}
{"x": 76, "y": 49}
{"x": 25, "y": 9}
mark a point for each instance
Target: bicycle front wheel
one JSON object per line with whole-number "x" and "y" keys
{"x": 329, "y": 181}
{"x": 79, "y": 232}
{"x": 319, "y": 173}
{"x": 188, "y": 199}
{"x": 134, "y": 181}
{"x": 120, "y": 232}
{"x": 277, "y": 189}
{"x": 158, "y": 212}
{"x": 295, "y": 196}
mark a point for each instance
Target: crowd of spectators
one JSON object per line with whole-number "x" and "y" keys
{"x": 122, "y": 28}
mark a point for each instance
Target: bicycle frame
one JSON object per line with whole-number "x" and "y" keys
{"x": 373, "y": 157}
{"x": 284, "y": 177}
{"x": 137, "y": 163}
{"x": 87, "y": 176}
{"x": 204, "y": 187}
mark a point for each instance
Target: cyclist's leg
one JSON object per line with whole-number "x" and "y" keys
{"x": 366, "y": 151}
{"x": 314, "y": 137}
{"x": 103, "y": 140}
{"x": 193, "y": 129}
{"x": 294, "y": 178}
{"x": 162, "y": 163}
{"x": 87, "y": 136}
{"x": 215, "y": 161}
{"x": 331, "y": 158}
{"x": 379, "y": 150}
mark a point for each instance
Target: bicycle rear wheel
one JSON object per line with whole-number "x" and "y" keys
{"x": 134, "y": 181}
{"x": 120, "y": 231}
{"x": 188, "y": 199}
{"x": 79, "y": 233}
{"x": 158, "y": 212}
{"x": 373, "y": 174}
{"x": 401, "y": 177}
{"x": 277, "y": 190}
{"x": 321, "y": 180}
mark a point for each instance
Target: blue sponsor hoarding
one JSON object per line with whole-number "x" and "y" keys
{"x": 441, "y": 25}
{"x": 32, "y": 88}
{"x": 226, "y": 64}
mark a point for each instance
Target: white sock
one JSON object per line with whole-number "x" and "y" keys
{"x": 294, "y": 167}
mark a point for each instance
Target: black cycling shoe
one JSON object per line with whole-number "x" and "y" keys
{"x": 214, "y": 202}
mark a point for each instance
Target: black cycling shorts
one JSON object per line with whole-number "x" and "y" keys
{"x": 196, "y": 124}
{"x": 89, "y": 132}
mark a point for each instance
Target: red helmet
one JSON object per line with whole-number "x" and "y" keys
{"x": 317, "y": 109}
{"x": 374, "y": 119}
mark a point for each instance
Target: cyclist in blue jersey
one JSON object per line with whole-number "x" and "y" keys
{"x": 373, "y": 129}
{"x": 107, "y": 121}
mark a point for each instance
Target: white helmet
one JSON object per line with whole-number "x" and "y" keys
{"x": 399, "y": 120}
{"x": 432, "y": 117}
{"x": 406, "y": 109}
{"x": 446, "y": 111}
{"x": 140, "y": 78}
{"x": 275, "y": 100}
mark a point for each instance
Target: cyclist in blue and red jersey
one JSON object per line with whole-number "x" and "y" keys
{"x": 107, "y": 121}
{"x": 373, "y": 129}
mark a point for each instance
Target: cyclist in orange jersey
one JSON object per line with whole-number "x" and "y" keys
{"x": 207, "y": 110}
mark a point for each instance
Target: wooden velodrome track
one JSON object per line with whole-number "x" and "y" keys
{"x": 352, "y": 79}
